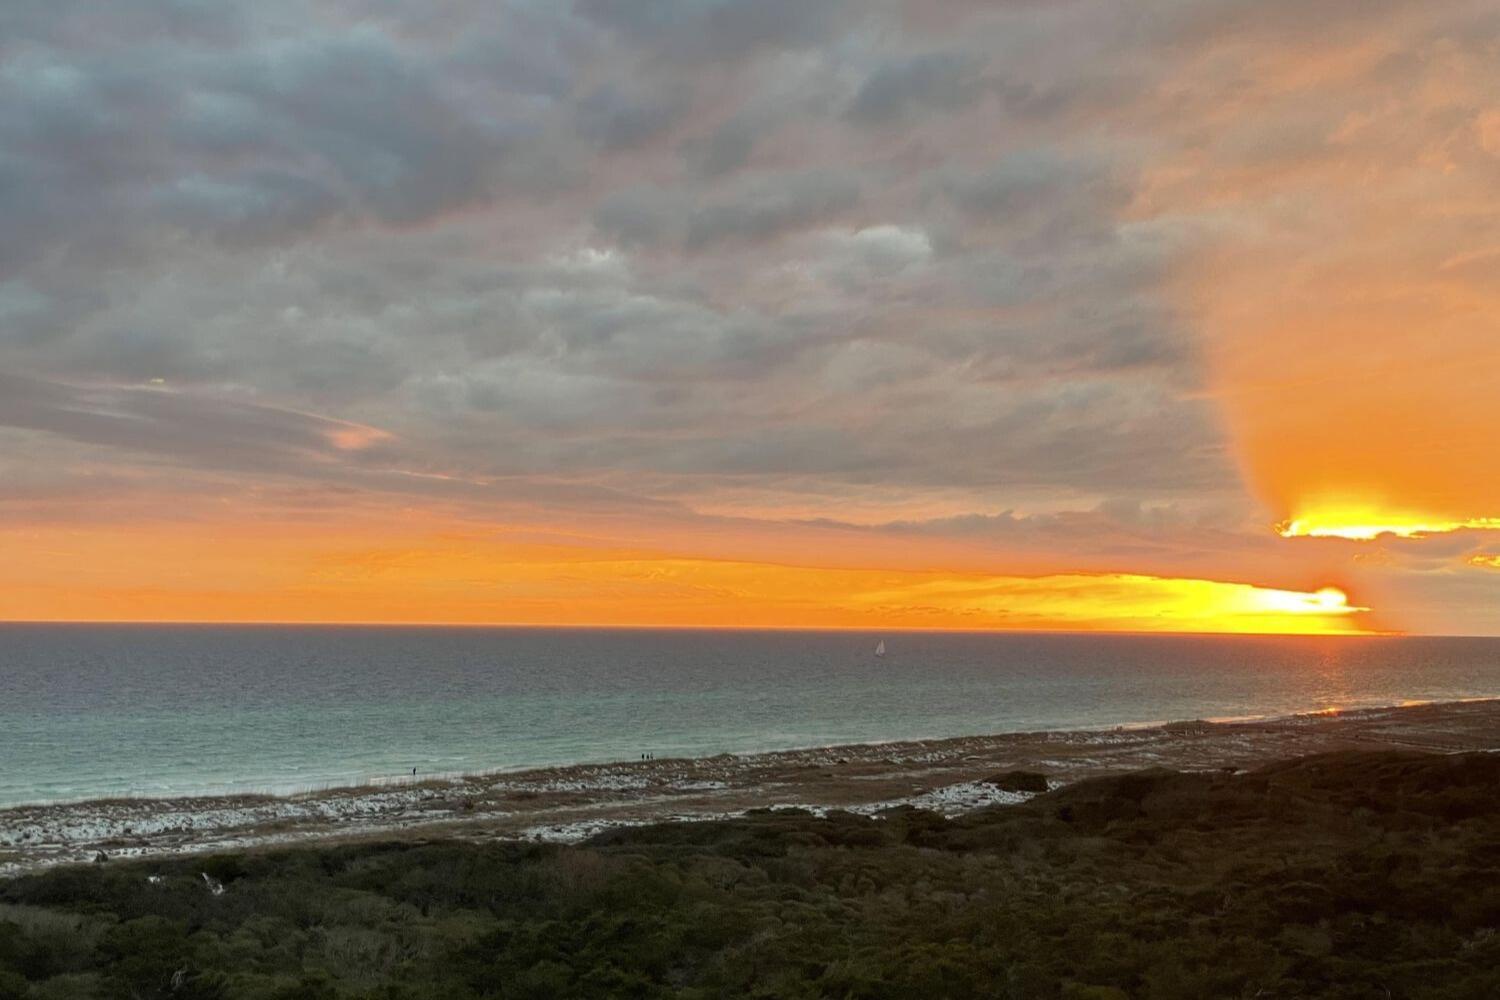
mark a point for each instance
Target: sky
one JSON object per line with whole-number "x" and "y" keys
{"x": 1181, "y": 315}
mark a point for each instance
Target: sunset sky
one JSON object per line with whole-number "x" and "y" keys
{"x": 1181, "y": 315}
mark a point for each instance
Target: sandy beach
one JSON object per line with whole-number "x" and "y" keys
{"x": 571, "y": 803}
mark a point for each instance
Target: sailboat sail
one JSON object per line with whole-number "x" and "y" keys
{"x": 880, "y": 648}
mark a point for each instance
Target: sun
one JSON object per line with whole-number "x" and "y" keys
{"x": 1365, "y": 522}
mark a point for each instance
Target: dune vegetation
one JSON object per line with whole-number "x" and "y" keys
{"x": 1370, "y": 875}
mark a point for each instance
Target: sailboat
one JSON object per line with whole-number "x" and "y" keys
{"x": 880, "y": 648}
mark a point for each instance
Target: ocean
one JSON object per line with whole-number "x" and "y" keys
{"x": 90, "y": 711}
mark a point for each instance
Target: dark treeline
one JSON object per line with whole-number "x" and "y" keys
{"x": 1354, "y": 876}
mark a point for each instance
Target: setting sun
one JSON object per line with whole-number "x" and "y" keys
{"x": 1364, "y": 523}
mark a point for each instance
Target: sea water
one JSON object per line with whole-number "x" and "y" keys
{"x": 92, "y": 711}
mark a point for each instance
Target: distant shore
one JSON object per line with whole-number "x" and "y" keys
{"x": 574, "y": 802}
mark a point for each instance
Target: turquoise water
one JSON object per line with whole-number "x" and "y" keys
{"x": 92, "y": 710}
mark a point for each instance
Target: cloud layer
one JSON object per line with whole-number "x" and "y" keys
{"x": 995, "y": 280}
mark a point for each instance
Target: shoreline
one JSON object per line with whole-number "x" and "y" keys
{"x": 572, "y": 802}
{"x": 384, "y": 782}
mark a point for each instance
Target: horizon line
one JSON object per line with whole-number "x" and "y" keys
{"x": 600, "y": 626}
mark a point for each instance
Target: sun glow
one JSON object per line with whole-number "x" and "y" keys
{"x": 313, "y": 573}
{"x": 1133, "y": 602}
{"x": 1365, "y": 523}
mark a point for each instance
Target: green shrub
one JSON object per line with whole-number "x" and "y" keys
{"x": 1297, "y": 880}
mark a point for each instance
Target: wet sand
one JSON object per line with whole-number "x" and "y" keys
{"x": 572, "y": 803}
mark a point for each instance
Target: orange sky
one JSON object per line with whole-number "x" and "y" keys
{"x": 293, "y": 574}
{"x": 1359, "y": 383}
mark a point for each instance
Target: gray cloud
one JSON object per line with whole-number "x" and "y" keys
{"x": 796, "y": 249}
{"x": 324, "y": 460}
{"x": 702, "y": 30}
{"x": 759, "y": 208}
{"x": 773, "y": 205}
{"x": 157, "y": 421}
{"x": 249, "y": 144}
{"x": 619, "y": 121}
{"x": 1036, "y": 182}
{"x": 726, "y": 149}
{"x": 930, "y": 82}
